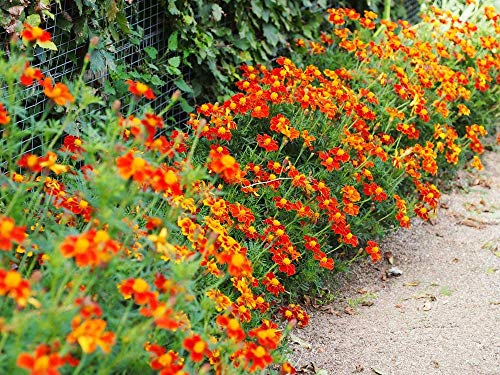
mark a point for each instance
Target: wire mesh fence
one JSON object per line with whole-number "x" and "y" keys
{"x": 146, "y": 21}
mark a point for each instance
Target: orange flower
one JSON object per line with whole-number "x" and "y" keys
{"x": 43, "y": 362}
{"x": 34, "y": 33}
{"x": 91, "y": 334}
{"x": 197, "y": 347}
{"x": 9, "y": 233}
{"x": 373, "y": 250}
{"x": 267, "y": 334}
{"x": 131, "y": 166}
{"x": 140, "y": 89}
{"x": 350, "y": 193}
{"x": 30, "y": 75}
{"x": 59, "y": 92}
{"x": 256, "y": 357}
{"x": 267, "y": 143}
{"x": 232, "y": 326}
{"x": 294, "y": 312}
{"x": 167, "y": 363}
{"x": 31, "y": 162}
{"x": 14, "y": 286}
{"x": 224, "y": 165}
{"x": 73, "y": 145}
{"x": 91, "y": 248}
{"x": 4, "y": 116}
{"x": 137, "y": 288}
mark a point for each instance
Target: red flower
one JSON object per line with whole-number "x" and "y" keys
{"x": 9, "y": 233}
{"x": 224, "y": 165}
{"x": 91, "y": 248}
{"x": 267, "y": 334}
{"x": 373, "y": 250}
{"x": 272, "y": 284}
{"x": 168, "y": 363}
{"x": 43, "y": 362}
{"x": 73, "y": 145}
{"x": 30, "y": 75}
{"x": 34, "y": 33}
{"x": 267, "y": 143}
{"x": 261, "y": 110}
{"x": 232, "y": 326}
{"x": 4, "y": 116}
{"x": 14, "y": 286}
{"x": 59, "y": 92}
{"x": 140, "y": 89}
{"x": 197, "y": 347}
{"x": 257, "y": 356}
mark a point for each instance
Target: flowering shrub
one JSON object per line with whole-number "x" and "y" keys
{"x": 129, "y": 247}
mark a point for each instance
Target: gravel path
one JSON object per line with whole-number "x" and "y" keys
{"x": 441, "y": 316}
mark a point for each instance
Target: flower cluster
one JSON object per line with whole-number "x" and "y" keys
{"x": 130, "y": 245}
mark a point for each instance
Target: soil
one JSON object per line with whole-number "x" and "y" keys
{"x": 441, "y": 316}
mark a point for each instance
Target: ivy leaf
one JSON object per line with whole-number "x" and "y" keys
{"x": 257, "y": 8}
{"x": 172, "y": 8}
{"x": 172, "y": 42}
{"x": 182, "y": 85}
{"x": 271, "y": 34}
{"x": 174, "y": 61}
{"x": 152, "y": 52}
{"x": 185, "y": 105}
{"x": 216, "y": 12}
{"x": 121, "y": 20}
{"x": 97, "y": 62}
{"x": 33, "y": 20}
{"x": 47, "y": 45}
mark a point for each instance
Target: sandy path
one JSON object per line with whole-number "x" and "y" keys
{"x": 442, "y": 316}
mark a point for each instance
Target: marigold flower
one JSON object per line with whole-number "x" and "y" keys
{"x": 295, "y": 312}
{"x": 167, "y": 363}
{"x": 43, "y": 362}
{"x": 14, "y": 286}
{"x": 373, "y": 250}
{"x": 30, "y": 75}
{"x": 268, "y": 335}
{"x": 90, "y": 334}
{"x": 140, "y": 89}
{"x": 91, "y": 248}
{"x": 9, "y": 233}
{"x": 73, "y": 145}
{"x": 4, "y": 116}
{"x": 197, "y": 347}
{"x": 232, "y": 326}
{"x": 59, "y": 92}
{"x": 256, "y": 357}
{"x": 34, "y": 33}
{"x": 224, "y": 165}
{"x": 267, "y": 143}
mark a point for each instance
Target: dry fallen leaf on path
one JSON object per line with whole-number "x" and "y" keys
{"x": 367, "y": 303}
{"x": 349, "y": 310}
{"x": 389, "y": 257}
{"x": 471, "y": 223}
{"x": 378, "y": 372}
{"x": 412, "y": 283}
{"x": 329, "y": 309}
{"x": 427, "y": 306}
